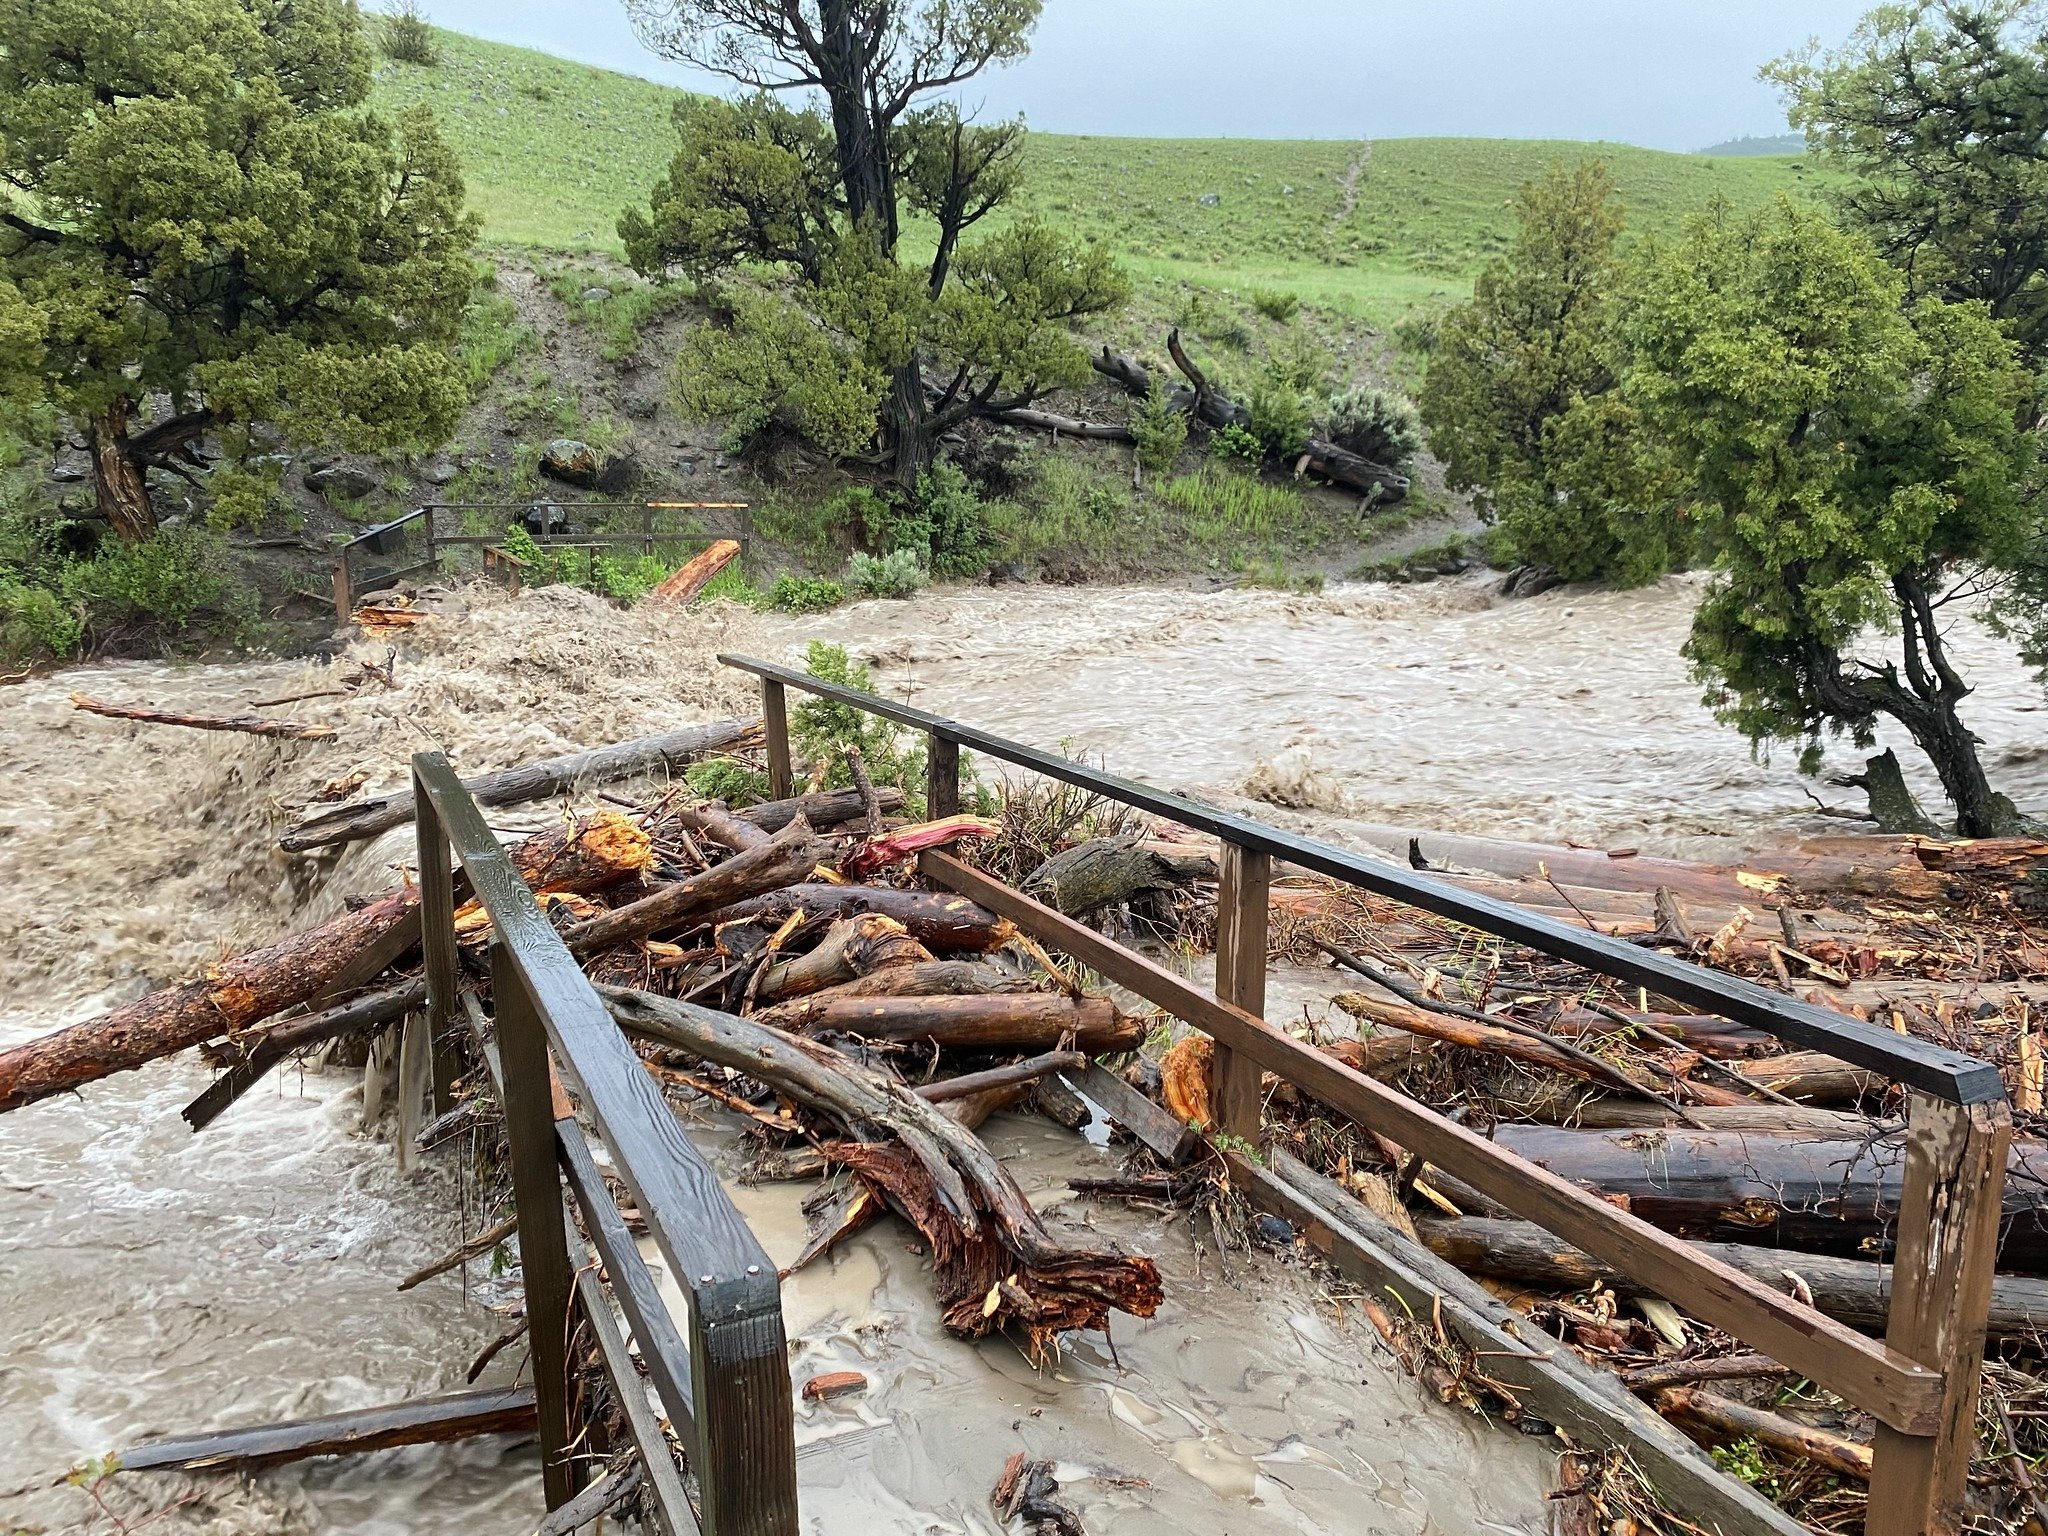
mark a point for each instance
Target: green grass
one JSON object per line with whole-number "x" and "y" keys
{"x": 554, "y": 150}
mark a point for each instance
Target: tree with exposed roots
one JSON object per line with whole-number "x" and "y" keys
{"x": 203, "y": 229}
{"x": 858, "y": 348}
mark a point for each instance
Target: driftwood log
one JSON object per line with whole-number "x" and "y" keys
{"x": 250, "y": 1058}
{"x": 1108, "y": 871}
{"x": 1853, "y": 1291}
{"x": 937, "y": 921}
{"x": 238, "y": 993}
{"x": 695, "y": 574}
{"x": 852, "y": 948}
{"x": 248, "y": 725}
{"x": 788, "y": 856}
{"x": 670, "y": 752}
{"x": 1033, "y": 1021}
{"x": 994, "y": 1263}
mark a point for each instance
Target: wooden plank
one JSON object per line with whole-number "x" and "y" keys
{"x": 272, "y": 1045}
{"x": 1896, "y": 1389}
{"x": 1941, "y": 1296}
{"x": 437, "y": 949}
{"x": 1241, "y": 900}
{"x": 422, "y": 1421}
{"x": 775, "y": 721}
{"x": 537, "y": 1194}
{"x": 1550, "y": 1380}
{"x": 672, "y": 1507}
{"x": 739, "y": 1360}
{"x": 942, "y": 777}
{"x": 1936, "y": 1070}
{"x": 661, "y": 1346}
{"x": 1165, "y": 1137}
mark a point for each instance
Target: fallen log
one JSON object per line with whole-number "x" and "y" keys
{"x": 694, "y": 575}
{"x": 670, "y": 752}
{"x": 257, "y": 1056}
{"x": 789, "y": 855}
{"x": 994, "y": 1263}
{"x": 1813, "y": 1078}
{"x": 243, "y": 991}
{"x": 852, "y": 948}
{"x": 1814, "y": 1194}
{"x": 935, "y": 920}
{"x": 1018, "y": 1073}
{"x": 250, "y": 725}
{"x": 714, "y": 821}
{"x": 1108, "y": 871}
{"x": 882, "y": 850}
{"x": 422, "y": 1421}
{"x": 827, "y": 808}
{"x": 1727, "y": 1419}
{"x": 932, "y": 978}
{"x": 1033, "y": 1021}
{"x": 1853, "y": 1291}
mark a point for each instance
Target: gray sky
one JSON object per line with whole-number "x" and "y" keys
{"x": 1672, "y": 74}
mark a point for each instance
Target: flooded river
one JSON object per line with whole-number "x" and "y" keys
{"x": 159, "y": 1281}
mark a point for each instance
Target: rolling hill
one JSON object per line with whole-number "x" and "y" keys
{"x": 555, "y": 149}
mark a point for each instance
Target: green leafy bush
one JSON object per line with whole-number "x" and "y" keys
{"x": 897, "y": 574}
{"x": 1275, "y": 305}
{"x": 1159, "y": 431}
{"x": 1377, "y": 424}
{"x": 1237, "y": 444}
{"x": 727, "y": 779}
{"x": 1282, "y": 415}
{"x": 733, "y": 585}
{"x": 953, "y": 520}
{"x": 172, "y": 579}
{"x": 35, "y": 623}
{"x": 407, "y": 36}
{"x": 822, "y": 730}
{"x": 1419, "y": 330}
{"x": 802, "y": 594}
{"x": 627, "y": 578}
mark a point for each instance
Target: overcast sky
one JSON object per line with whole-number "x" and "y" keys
{"x": 1673, "y": 74}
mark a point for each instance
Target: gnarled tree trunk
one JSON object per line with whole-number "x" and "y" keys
{"x": 119, "y": 489}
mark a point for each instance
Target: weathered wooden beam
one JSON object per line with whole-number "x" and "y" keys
{"x": 421, "y": 1421}
{"x": 1165, "y": 1137}
{"x": 1241, "y": 902}
{"x": 775, "y": 721}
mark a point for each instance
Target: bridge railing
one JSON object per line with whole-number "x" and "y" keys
{"x": 723, "y": 1378}
{"x": 1920, "y": 1383}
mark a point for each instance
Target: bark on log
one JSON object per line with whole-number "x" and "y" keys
{"x": 852, "y": 948}
{"x": 670, "y": 752}
{"x": 1025, "y": 1021}
{"x": 1017, "y": 1074}
{"x": 1727, "y": 1419}
{"x": 713, "y": 821}
{"x": 423, "y": 1421}
{"x": 249, "y": 725}
{"x": 695, "y": 574}
{"x": 1108, "y": 871}
{"x": 994, "y": 1263}
{"x": 257, "y": 1056}
{"x": 788, "y": 856}
{"x": 1126, "y": 372}
{"x": 939, "y": 922}
{"x": 828, "y": 808}
{"x": 1853, "y": 1291}
{"x": 1812, "y": 1078}
{"x": 597, "y": 852}
{"x": 933, "y": 978}
{"x": 1799, "y": 1192}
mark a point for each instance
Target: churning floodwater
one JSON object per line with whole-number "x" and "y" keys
{"x": 158, "y": 1281}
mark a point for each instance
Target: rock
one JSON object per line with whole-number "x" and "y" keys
{"x": 570, "y": 461}
{"x": 642, "y": 407}
{"x": 1211, "y": 199}
{"x": 440, "y": 472}
{"x": 1530, "y": 581}
{"x": 340, "y": 482}
{"x": 597, "y": 293}
{"x": 1008, "y": 571}
{"x": 71, "y": 472}
{"x": 1275, "y": 1231}
{"x": 619, "y": 474}
{"x": 544, "y": 517}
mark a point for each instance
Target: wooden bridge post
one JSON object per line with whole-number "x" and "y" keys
{"x": 537, "y": 1195}
{"x": 437, "y": 946}
{"x": 942, "y": 777}
{"x": 1942, "y": 1267}
{"x": 775, "y": 719}
{"x": 1234, "y": 1088}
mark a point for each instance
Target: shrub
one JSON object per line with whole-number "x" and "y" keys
{"x": 897, "y": 574}
{"x": 953, "y": 521}
{"x": 1275, "y": 305}
{"x": 182, "y": 573}
{"x": 1301, "y": 362}
{"x": 1281, "y": 417}
{"x": 408, "y": 36}
{"x": 1376, "y": 424}
{"x": 1240, "y": 444}
{"x": 1418, "y": 331}
{"x": 821, "y": 731}
{"x": 627, "y": 578}
{"x": 1225, "y": 502}
{"x": 800, "y": 594}
{"x": 35, "y": 623}
{"x": 727, "y": 779}
{"x": 1159, "y": 431}
{"x": 733, "y": 586}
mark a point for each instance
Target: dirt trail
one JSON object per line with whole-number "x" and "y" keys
{"x": 1348, "y": 182}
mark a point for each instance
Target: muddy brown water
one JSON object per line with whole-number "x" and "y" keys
{"x": 160, "y": 1282}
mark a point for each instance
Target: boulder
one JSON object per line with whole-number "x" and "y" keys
{"x": 544, "y": 517}
{"x": 339, "y": 482}
{"x": 619, "y": 474}
{"x": 570, "y": 461}
{"x": 1530, "y": 581}
{"x": 642, "y": 407}
{"x": 440, "y": 472}
{"x": 596, "y": 293}
{"x": 1211, "y": 199}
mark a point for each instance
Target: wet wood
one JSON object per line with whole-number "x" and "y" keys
{"x": 469, "y": 1248}
{"x": 933, "y": 978}
{"x": 1164, "y": 1137}
{"x": 694, "y": 575}
{"x": 715, "y": 823}
{"x": 243, "y": 991}
{"x": 1727, "y": 1419}
{"x": 1030, "y": 1070}
{"x": 1109, "y": 871}
{"x": 994, "y": 1262}
{"x": 939, "y": 921}
{"x": 1235, "y": 1082}
{"x": 1812, "y": 1078}
{"x": 852, "y": 948}
{"x": 788, "y": 856}
{"x": 668, "y": 753}
{"x": 1853, "y": 1291}
{"x": 422, "y": 1421}
{"x": 827, "y": 808}
{"x": 248, "y": 725}
{"x": 252, "y": 1057}
{"x": 1033, "y": 1021}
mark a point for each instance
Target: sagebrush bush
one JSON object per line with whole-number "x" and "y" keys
{"x": 35, "y": 624}
{"x": 408, "y": 36}
{"x": 801, "y": 594}
{"x": 1419, "y": 329}
{"x": 1377, "y": 424}
{"x": 174, "y": 578}
{"x": 897, "y": 574}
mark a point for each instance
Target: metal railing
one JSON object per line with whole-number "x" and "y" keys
{"x": 1920, "y": 1384}
{"x": 723, "y": 1380}
{"x": 417, "y": 542}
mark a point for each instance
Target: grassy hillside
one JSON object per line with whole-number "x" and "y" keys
{"x": 554, "y": 150}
